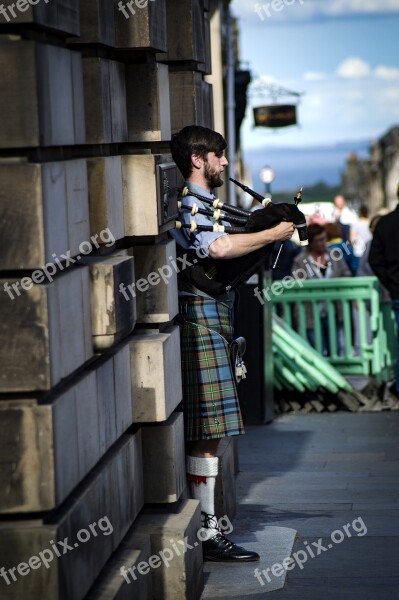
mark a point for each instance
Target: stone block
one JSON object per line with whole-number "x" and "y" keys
{"x": 207, "y": 105}
{"x": 41, "y": 101}
{"x": 156, "y": 282}
{"x": 93, "y": 523}
{"x": 105, "y": 101}
{"x": 97, "y": 23}
{"x": 190, "y": 100}
{"x": 120, "y": 579}
{"x": 164, "y": 459}
{"x": 148, "y": 102}
{"x": 156, "y": 374}
{"x": 50, "y": 329}
{"x": 182, "y": 577}
{"x": 186, "y": 31}
{"x": 105, "y": 195}
{"x": 47, "y": 449}
{"x": 149, "y": 194}
{"x": 77, "y": 204}
{"x": 46, "y": 212}
{"x": 206, "y": 67}
{"x": 123, "y": 390}
{"x": 236, "y": 457}
{"x": 113, "y": 317}
{"x": 59, "y": 15}
{"x": 225, "y": 490}
{"x": 142, "y": 27}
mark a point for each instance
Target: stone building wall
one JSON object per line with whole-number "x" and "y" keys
{"x": 92, "y": 466}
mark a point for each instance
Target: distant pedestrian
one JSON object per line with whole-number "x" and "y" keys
{"x": 344, "y": 216}
{"x": 334, "y": 240}
{"x": 288, "y": 253}
{"x": 360, "y": 232}
{"x": 384, "y": 261}
{"x": 318, "y": 263}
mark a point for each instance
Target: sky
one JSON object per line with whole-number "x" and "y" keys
{"x": 344, "y": 56}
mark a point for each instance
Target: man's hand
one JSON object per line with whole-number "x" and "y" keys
{"x": 283, "y": 231}
{"x": 239, "y": 244}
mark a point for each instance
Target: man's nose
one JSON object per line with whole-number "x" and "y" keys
{"x": 225, "y": 162}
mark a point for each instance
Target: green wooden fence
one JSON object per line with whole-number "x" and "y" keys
{"x": 361, "y": 342}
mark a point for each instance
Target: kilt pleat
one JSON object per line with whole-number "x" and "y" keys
{"x": 210, "y": 400}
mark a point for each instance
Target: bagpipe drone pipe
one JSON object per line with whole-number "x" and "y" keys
{"x": 215, "y": 277}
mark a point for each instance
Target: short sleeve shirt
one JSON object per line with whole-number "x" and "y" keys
{"x": 197, "y": 240}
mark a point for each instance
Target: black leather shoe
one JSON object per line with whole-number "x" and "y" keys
{"x": 221, "y": 549}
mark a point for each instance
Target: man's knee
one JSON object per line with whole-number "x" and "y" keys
{"x": 203, "y": 447}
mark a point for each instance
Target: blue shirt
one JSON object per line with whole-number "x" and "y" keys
{"x": 198, "y": 240}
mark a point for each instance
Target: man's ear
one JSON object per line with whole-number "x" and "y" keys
{"x": 196, "y": 161}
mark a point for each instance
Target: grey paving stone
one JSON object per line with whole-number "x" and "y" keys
{"x": 315, "y": 474}
{"x": 354, "y": 557}
{"x": 273, "y": 544}
{"x": 379, "y": 523}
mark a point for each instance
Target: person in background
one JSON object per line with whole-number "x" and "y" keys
{"x": 284, "y": 266}
{"x": 364, "y": 269}
{"x": 360, "y": 232}
{"x": 344, "y": 216}
{"x": 318, "y": 262}
{"x": 384, "y": 261}
{"x": 334, "y": 240}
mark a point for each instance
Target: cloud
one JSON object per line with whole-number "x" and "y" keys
{"x": 386, "y": 72}
{"x": 353, "y": 67}
{"x": 314, "y": 76}
{"x": 356, "y": 100}
{"x": 300, "y": 11}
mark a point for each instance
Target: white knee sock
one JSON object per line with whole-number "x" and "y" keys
{"x": 202, "y": 474}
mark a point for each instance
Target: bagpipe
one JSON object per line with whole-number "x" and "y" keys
{"x": 215, "y": 277}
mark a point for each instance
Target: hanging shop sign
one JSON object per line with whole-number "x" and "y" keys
{"x": 275, "y": 115}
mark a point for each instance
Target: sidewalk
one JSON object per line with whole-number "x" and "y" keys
{"x": 316, "y": 474}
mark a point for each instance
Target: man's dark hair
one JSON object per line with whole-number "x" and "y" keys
{"x": 364, "y": 211}
{"x": 314, "y": 229}
{"x": 195, "y": 139}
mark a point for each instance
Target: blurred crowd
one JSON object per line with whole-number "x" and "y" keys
{"x": 337, "y": 227}
{"x": 343, "y": 243}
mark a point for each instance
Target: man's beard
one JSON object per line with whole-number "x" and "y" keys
{"x": 212, "y": 176}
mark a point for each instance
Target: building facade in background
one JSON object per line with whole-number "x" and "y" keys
{"x": 374, "y": 181}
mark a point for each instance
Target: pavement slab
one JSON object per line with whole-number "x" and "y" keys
{"x": 315, "y": 475}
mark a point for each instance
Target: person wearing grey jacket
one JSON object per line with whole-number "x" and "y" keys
{"x": 320, "y": 263}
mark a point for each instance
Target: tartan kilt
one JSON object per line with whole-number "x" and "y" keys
{"x": 210, "y": 401}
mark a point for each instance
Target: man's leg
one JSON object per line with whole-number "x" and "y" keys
{"x": 202, "y": 468}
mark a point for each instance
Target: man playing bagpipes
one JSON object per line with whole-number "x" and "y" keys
{"x": 206, "y": 299}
